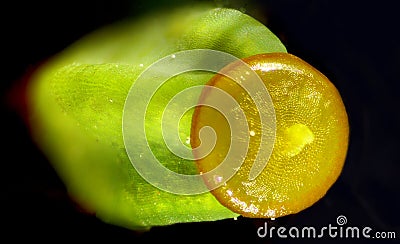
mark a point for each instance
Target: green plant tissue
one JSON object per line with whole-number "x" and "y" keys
{"x": 76, "y": 102}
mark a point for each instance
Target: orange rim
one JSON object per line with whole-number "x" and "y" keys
{"x": 311, "y": 138}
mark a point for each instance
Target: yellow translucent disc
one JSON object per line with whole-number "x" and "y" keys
{"x": 310, "y": 146}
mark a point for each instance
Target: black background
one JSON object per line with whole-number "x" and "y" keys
{"x": 354, "y": 43}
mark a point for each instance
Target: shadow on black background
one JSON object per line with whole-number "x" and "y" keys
{"x": 356, "y": 44}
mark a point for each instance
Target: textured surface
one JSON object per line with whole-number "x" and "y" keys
{"x": 355, "y": 43}
{"x": 311, "y": 138}
{"x": 77, "y": 102}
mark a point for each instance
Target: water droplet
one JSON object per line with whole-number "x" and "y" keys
{"x": 140, "y": 155}
{"x": 187, "y": 140}
{"x": 111, "y": 101}
{"x": 234, "y": 218}
{"x": 271, "y": 212}
{"x": 217, "y": 179}
{"x": 141, "y": 65}
{"x": 173, "y": 56}
{"x": 272, "y": 218}
{"x": 252, "y": 133}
